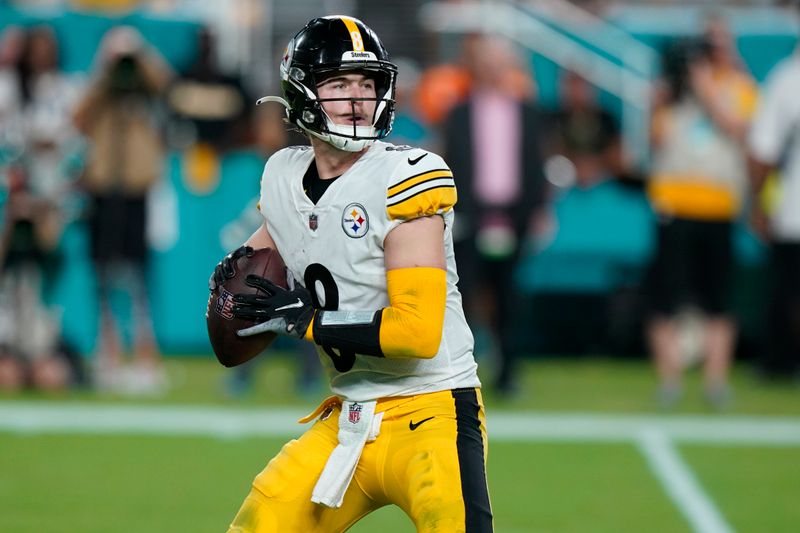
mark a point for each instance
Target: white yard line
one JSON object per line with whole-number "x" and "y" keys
{"x": 149, "y": 420}
{"x": 701, "y": 429}
{"x": 681, "y": 485}
{"x": 654, "y": 435}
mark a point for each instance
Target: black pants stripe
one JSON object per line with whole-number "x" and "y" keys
{"x": 469, "y": 445}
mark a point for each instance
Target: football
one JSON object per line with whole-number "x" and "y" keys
{"x": 230, "y": 349}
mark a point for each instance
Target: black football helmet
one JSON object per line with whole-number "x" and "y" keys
{"x": 325, "y": 47}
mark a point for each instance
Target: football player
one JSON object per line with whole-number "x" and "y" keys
{"x": 365, "y": 228}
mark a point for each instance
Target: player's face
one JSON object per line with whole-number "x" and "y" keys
{"x": 349, "y": 112}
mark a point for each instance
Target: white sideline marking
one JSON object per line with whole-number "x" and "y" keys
{"x": 681, "y": 485}
{"x": 54, "y": 417}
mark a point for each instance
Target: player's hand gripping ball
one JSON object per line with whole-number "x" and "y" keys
{"x": 229, "y": 279}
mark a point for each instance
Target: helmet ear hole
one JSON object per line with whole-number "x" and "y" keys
{"x": 297, "y": 74}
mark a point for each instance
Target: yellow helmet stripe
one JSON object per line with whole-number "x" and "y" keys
{"x": 355, "y": 34}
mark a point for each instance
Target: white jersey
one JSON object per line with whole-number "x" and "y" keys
{"x": 775, "y": 139}
{"x": 335, "y": 248}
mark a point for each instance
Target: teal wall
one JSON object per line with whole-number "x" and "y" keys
{"x": 79, "y": 35}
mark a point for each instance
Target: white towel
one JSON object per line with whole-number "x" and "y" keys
{"x": 358, "y": 424}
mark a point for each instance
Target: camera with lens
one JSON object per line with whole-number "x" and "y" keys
{"x": 125, "y": 75}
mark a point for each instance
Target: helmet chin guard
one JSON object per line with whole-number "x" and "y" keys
{"x": 323, "y": 48}
{"x": 340, "y": 136}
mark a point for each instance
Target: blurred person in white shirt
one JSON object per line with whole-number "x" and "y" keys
{"x": 774, "y": 149}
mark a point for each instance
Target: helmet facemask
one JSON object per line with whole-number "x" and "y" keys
{"x": 306, "y": 110}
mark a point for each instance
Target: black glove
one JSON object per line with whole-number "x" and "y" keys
{"x": 225, "y": 269}
{"x": 276, "y": 309}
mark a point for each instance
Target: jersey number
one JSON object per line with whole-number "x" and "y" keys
{"x": 343, "y": 360}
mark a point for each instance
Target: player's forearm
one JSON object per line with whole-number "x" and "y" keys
{"x": 261, "y": 239}
{"x": 411, "y": 327}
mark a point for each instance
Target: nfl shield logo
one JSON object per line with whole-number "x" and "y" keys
{"x": 312, "y": 222}
{"x": 354, "y": 415}
{"x": 224, "y": 304}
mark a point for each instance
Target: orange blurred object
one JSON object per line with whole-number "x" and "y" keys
{"x": 440, "y": 88}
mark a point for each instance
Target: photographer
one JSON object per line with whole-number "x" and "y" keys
{"x": 696, "y": 188}
{"x": 119, "y": 116}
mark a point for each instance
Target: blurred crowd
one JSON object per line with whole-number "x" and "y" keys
{"x": 90, "y": 149}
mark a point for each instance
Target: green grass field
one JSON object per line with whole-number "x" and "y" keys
{"x": 582, "y": 449}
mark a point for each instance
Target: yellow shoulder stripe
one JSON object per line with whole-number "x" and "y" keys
{"x": 432, "y": 201}
{"x": 417, "y": 179}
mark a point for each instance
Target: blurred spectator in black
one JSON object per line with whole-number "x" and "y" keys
{"x": 492, "y": 146}
{"x": 37, "y": 140}
{"x": 696, "y": 188}
{"x": 213, "y": 112}
{"x": 214, "y": 103}
{"x": 120, "y": 119}
{"x": 775, "y": 156}
{"x": 583, "y": 132}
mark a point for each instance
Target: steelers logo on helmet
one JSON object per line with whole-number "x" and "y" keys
{"x": 355, "y": 221}
{"x": 325, "y": 47}
{"x": 286, "y": 61}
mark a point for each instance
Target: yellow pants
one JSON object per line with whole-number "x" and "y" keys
{"x": 429, "y": 460}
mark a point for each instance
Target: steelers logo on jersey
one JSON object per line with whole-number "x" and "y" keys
{"x": 355, "y": 221}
